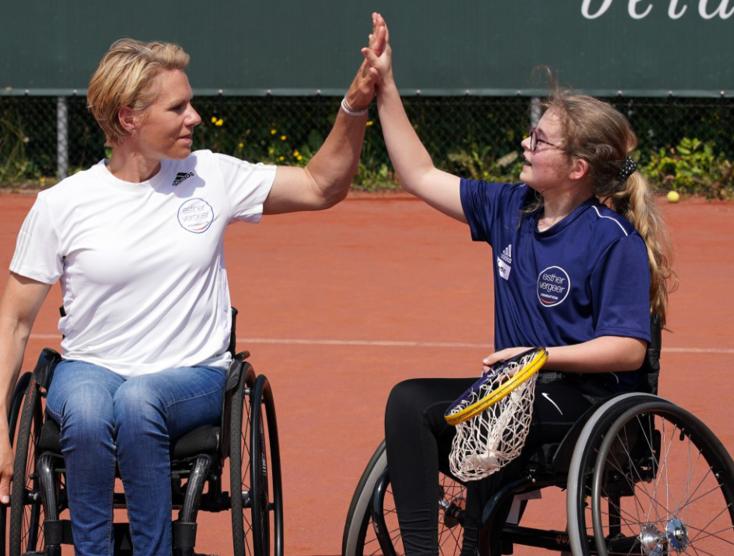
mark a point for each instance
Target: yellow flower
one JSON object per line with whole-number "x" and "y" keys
{"x": 281, "y": 158}
{"x": 219, "y": 123}
{"x": 241, "y": 146}
{"x": 283, "y": 137}
{"x": 214, "y": 119}
{"x": 273, "y": 131}
{"x": 296, "y": 153}
{"x": 370, "y": 123}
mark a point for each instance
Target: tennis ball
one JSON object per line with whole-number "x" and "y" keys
{"x": 673, "y": 196}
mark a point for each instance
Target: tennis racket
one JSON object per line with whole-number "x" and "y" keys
{"x": 492, "y": 417}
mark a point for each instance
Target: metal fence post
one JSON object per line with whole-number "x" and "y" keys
{"x": 62, "y": 138}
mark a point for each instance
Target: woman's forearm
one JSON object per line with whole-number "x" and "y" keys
{"x": 19, "y": 306}
{"x": 335, "y": 164}
{"x": 13, "y": 341}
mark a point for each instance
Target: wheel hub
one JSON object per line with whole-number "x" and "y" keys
{"x": 658, "y": 543}
{"x": 677, "y": 535}
{"x": 652, "y": 541}
{"x": 453, "y": 511}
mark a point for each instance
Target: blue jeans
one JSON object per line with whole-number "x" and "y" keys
{"x": 108, "y": 419}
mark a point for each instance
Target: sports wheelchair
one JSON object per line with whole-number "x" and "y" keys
{"x": 642, "y": 477}
{"x": 247, "y": 436}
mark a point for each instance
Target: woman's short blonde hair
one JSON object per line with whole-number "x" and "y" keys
{"x": 124, "y": 77}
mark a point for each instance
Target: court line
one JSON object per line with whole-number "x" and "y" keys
{"x": 401, "y": 344}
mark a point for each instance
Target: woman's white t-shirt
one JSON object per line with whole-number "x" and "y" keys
{"x": 141, "y": 264}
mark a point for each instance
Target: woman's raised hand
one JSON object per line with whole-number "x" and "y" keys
{"x": 378, "y": 52}
{"x": 362, "y": 90}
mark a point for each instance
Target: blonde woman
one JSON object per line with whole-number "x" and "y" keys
{"x": 137, "y": 244}
{"x": 579, "y": 262}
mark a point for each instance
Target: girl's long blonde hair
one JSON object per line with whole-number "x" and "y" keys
{"x": 599, "y": 134}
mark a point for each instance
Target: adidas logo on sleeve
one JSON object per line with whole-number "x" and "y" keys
{"x": 504, "y": 262}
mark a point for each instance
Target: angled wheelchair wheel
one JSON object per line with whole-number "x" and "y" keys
{"x": 660, "y": 484}
{"x": 265, "y": 476}
{"x": 239, "y": 463}
{"x": 16, "y": 404}
{"x": 26, "y": 508}
{"x": 372, "y": 524}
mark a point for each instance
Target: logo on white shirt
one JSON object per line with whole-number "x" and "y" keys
{"x": 195, "y": 215}
{"x": 504, "y": 262}
{"x": 181, "y": 176}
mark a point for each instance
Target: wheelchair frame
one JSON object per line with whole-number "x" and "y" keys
{"x": 247, "y": 435}
{"x": 605, "y": 456}
{"x": 596, "y": 473}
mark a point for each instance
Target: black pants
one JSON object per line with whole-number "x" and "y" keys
{"x": 418, "y": 442}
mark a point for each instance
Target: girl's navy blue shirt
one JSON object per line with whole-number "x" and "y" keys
{"x": 587, "y": 276}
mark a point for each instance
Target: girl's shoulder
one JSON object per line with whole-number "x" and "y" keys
{"x": 607, "y": 223}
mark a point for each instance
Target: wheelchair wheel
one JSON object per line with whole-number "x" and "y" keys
{"x": 266, "y": 491}
{"x": 26, "y": 508}
{"x": 372, "y": 524}
{"x": 239, "y": 464}
{"x": 661, "y": 483}
{"x": 13, "y": 417}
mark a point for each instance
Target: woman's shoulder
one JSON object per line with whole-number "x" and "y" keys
{"x": 204, "y": 159}
{"x": 65, "y": 190}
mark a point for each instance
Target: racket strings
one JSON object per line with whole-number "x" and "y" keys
{"x": 491, "y": 439}
{"x": 492, "y": 380}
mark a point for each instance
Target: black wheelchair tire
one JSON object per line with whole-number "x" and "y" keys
{"x": 374, "y": 496}
{"x": 239, "y": 463}
{"x": 580, "y": 471}
{"x": 358, "y": 515}
{"x": 13, "y": 417}
{"x": 16, "y": 404}
{"x": 26, "y": 509}
{"x": 681, "y": 478}
{"x": 266, "y": 482}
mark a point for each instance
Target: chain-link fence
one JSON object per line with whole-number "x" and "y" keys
{"x": 685, "y": 143}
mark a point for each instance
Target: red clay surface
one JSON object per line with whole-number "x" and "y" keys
{"x": 338, "y": 306}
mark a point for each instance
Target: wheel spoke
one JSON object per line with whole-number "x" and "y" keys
{"x": 660, "y": 508}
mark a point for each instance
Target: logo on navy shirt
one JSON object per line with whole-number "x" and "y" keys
{"x": 195, "y": 215}
{"x": 553, "y": 286}
{"x": 181, "y": 176}
{"x": 504, "y": 262}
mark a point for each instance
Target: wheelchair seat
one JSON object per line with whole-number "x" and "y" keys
{"x": 202, "y": 440}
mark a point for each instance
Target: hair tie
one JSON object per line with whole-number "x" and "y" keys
{"x": 628, "y": 167}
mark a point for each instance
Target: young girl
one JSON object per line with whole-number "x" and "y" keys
{"x": 579, "y": 262}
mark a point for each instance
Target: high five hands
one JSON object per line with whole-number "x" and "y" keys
{"x": 363, "y": 87}
{"x": 378, "y": 54}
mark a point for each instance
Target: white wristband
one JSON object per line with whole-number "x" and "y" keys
{"x": 351, "y": 111}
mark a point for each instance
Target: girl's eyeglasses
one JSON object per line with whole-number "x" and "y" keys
{"x": 534, "y": 140}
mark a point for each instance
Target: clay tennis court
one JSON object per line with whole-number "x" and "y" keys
{"x": 338, "y": 306}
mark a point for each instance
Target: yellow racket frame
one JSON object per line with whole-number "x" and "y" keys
{"x": 531, "y": 368}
